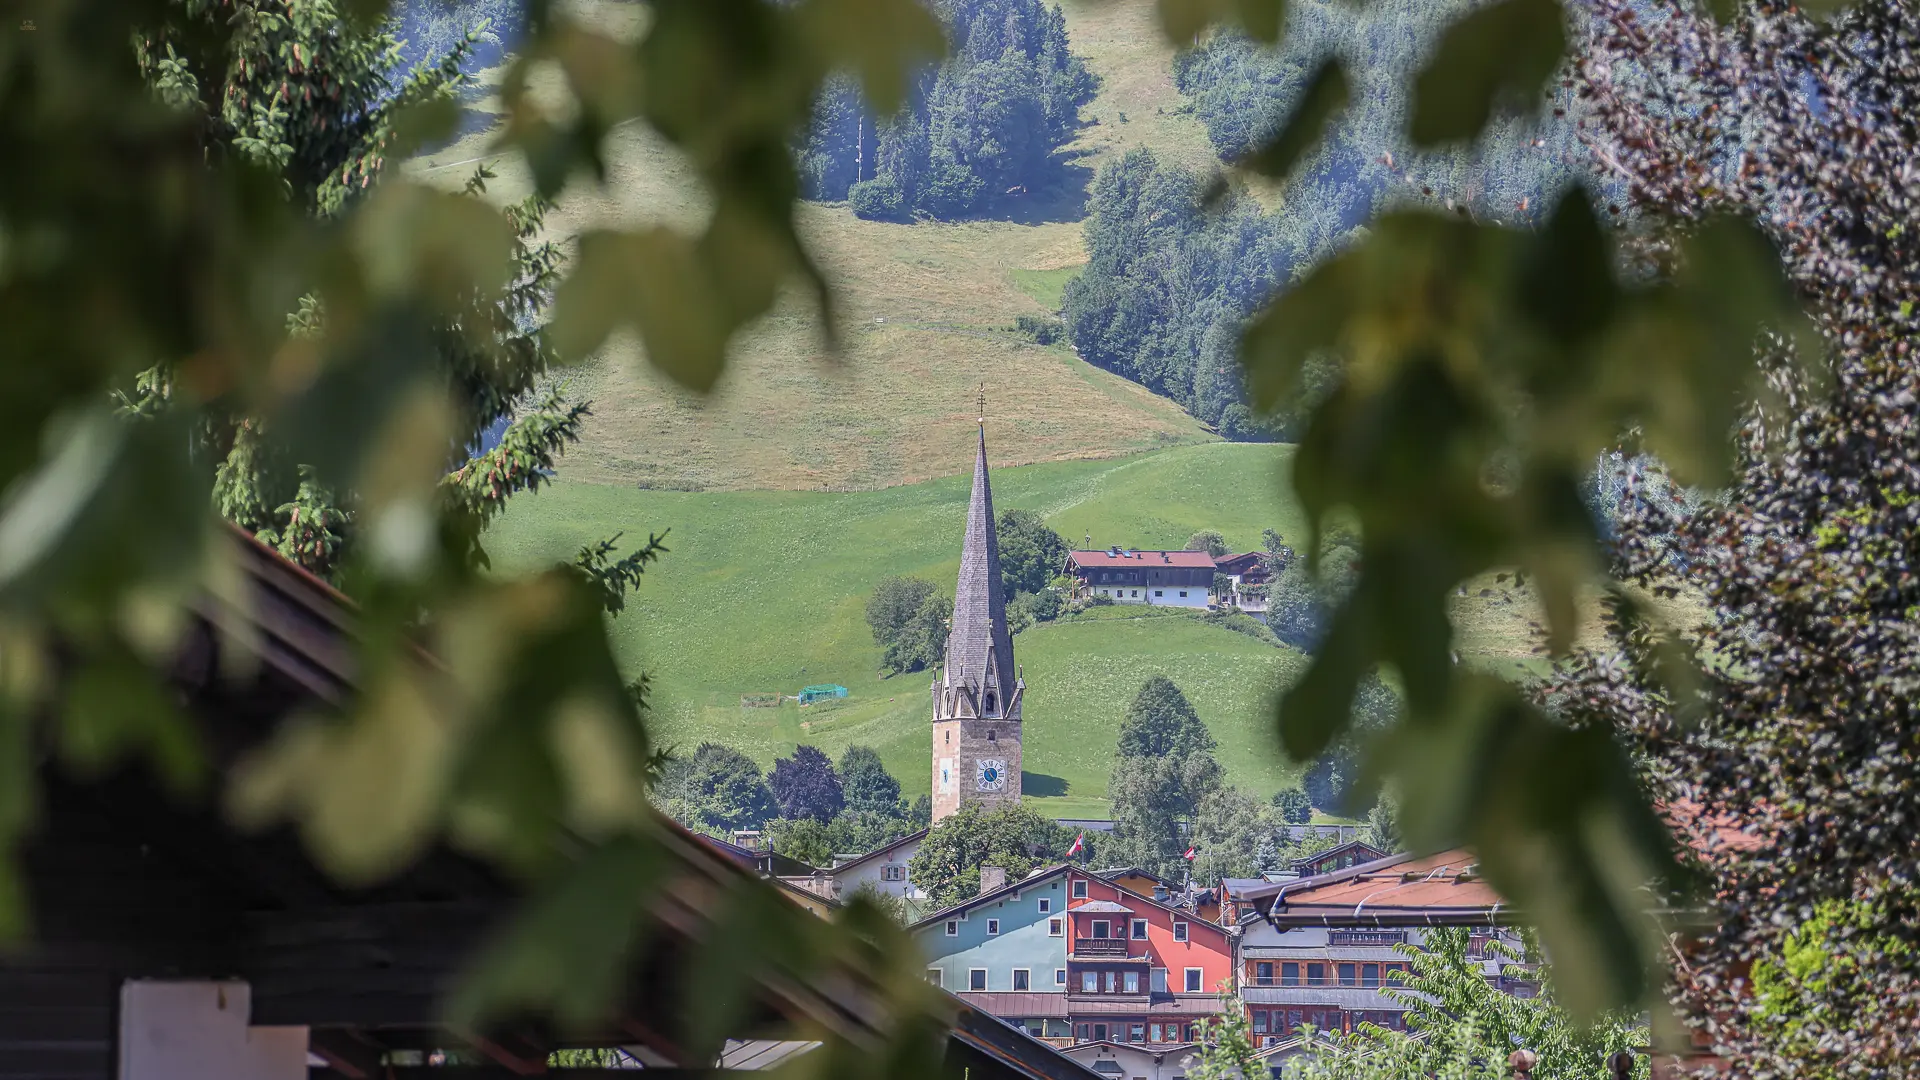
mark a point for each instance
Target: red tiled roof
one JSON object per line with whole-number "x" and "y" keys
{"x": 1707, "y": 834}
{"x": 1425, "y": 886}
{"x": 1144, "y": 560}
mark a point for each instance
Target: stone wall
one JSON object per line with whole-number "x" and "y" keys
{"x": 959, "y": 746}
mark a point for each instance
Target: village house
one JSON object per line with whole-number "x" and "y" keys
{"x": 1351, "y": 853}
{"x": 1168, "y": 578}
{"x": 1070, "y": 956}
{"x": 1322, "y": 950}
{"x": 1248, "y": 580}
{"x": 884, "y": 870}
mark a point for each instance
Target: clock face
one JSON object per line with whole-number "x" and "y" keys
{"x": 990, "y": 774}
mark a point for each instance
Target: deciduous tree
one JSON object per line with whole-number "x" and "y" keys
{"x": 805, "y": 785}
{"x": 869, "y": 788}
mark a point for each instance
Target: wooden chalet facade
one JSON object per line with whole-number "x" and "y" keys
{"x": 168, "y": 946}
{"x": 1323, "y": 950}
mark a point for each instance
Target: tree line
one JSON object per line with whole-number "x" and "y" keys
{"x": 1175, "y": 267}
{"x": 978, "y": 129}
{"x": 812, "y": 808}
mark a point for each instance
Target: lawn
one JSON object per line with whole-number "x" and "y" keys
{"x": 765, "y": 591}
{"x": 926, "y": 310}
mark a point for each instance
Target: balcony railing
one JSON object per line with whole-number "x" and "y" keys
{"x": 1366, "y": 937}
{"x": 1360, "y": 983}
{"x": 1100, "y": 946}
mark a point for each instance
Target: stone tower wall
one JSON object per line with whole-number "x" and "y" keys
{"x": 960, "y": 745}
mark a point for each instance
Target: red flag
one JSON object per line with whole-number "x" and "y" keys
{"x": 1190, "y": 852}
{"x": 1079, "y": 843}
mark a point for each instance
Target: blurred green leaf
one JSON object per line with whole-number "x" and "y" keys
{"x": 753, "y": 944}
{"x": 654, "y": 281}
{"x": 1563, "y": 278}
{"x": 885, "y": 41}
{"x": 1559, "y": 829}
{"x": 1324, "y": 100}
{"x": 568, "y": 951}
{"x": 368, "y": 792}
{"x": 414, "y": 241}
{"x": 1507, "y": 49}
{"x": 1186, "y": 20}
{"x": 115, "y": 707}
{"x": 1317, "y": 707}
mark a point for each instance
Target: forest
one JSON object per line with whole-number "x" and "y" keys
{"x": 1170, "y": 283}
{"x": 979, "y": 128}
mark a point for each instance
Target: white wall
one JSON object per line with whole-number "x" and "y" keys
{"x": 873, "y": 871}
{"x": 200, "y": 1031}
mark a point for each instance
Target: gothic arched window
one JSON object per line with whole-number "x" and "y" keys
{"x": 990, "y": 702}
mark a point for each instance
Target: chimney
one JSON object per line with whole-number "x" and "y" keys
{"x": 992, "y": 878}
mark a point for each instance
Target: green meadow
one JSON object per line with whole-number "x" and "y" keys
{"x": 765, "y": 591}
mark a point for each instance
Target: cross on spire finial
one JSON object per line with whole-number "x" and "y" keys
{"x": 983, "y": 404}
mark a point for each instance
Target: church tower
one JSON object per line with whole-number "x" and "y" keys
{"x": 976, "y": 695}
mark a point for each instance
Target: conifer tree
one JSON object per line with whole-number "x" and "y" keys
{"x": 318, "y": 99}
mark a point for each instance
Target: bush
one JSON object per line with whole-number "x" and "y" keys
{"x": 876, "y": 200}
{"x": 953, "y": 191}
{"x": 1045, "y": 605}
{"x": 1040, "y": 329}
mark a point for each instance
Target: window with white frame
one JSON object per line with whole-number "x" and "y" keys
{"x": 1193, "y": 980}
{"x": 894, "y": 873}
{"x": 1101, "y": 927}
{"x": 1179, "y": 930}
{"x": 933, "y": 976}
{"x": 1139, "y": 929}
{"x": 1159, "y": 980}
{"x": 1132, "y": 982}
{"x": 1022, "y": 977}
{"x": 1089, "y": 982}
{"x": 1056, "y": 927}
{"x": 953, "y": 927}
{"x": 1080, "y": 889}
{"x": 1046, "y": 905}
{"x": 993, "y": 927}
{"x": 1059, "y": 976}
{"x": 977, "y": 978}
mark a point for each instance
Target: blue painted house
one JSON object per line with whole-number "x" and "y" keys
{"x": 1005, "y": 951}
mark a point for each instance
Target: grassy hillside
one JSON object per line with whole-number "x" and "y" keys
{"x": 925, "y": 312}
{"x": 766, "y": 591}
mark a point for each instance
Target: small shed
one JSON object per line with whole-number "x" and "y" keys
{"x": 811, "y": 694}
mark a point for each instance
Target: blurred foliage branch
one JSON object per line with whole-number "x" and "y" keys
{"x": 170, "y": 230}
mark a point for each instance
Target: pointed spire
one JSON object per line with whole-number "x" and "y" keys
{"x": 979, "y": 649}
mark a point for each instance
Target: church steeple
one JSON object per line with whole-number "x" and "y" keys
{"x": 977, "y": 694}
{"x": 979, "y": 648}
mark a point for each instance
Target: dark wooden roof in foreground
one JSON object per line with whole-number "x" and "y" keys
{"x": 128, "y": 882}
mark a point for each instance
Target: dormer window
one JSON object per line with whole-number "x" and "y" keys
{"x": 990, "y": 701}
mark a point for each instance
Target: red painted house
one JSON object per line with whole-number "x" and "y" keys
{"x": 1137, "y": 969}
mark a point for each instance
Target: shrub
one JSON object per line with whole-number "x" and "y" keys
{"x": 876, "y": 200}
{"x": 1040, "y": 329}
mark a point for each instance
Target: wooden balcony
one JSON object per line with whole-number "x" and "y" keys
{"x": 1100, "y": 948}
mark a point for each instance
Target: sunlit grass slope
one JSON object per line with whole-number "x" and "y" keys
{"x": 925, "y": 312}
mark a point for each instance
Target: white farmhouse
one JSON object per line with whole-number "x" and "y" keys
{"x": 1169, "y": 578}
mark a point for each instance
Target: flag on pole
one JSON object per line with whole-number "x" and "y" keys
{"x": 1190, "y": 853}
{"x": 1079, "y": 844}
